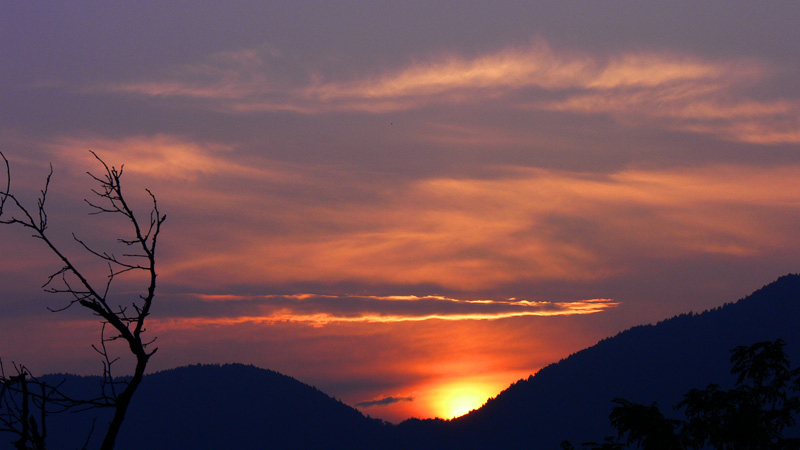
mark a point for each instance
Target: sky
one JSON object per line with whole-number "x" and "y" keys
{"x": 409, "y": 205}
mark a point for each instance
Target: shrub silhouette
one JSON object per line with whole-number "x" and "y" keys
{"x": 752, "y": 415}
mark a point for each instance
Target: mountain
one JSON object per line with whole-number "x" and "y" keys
{"x": 230, "y": 406}
{"x": 571, "y": 399}
{"x": 241, "y": 407}
{"x": 245, "y": 407}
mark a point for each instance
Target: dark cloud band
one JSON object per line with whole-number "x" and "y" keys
{"x": 383, "y": 401}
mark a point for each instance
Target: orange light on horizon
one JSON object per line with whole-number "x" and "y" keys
{"x": 459, "y": 397}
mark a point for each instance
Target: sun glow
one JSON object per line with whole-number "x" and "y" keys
{"x": 459, "y": 398}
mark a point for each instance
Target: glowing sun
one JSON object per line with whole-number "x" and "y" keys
{"x": 456, "y": 399}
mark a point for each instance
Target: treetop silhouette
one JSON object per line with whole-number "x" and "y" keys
{"x": 753, "y": 415}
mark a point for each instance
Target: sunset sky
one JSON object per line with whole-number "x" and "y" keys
{"x": 412, "y": 204}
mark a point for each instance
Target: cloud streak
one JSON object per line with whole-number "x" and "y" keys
{"x": 289, "y": 227}
{"x": 163, "y": 156}
{"x": 682, "y": 91}
{"x": 467, "y": 234}
{"x": 383, "y": 401}
{"x": 512, "y": 70}
{"x": 319, "y": 310}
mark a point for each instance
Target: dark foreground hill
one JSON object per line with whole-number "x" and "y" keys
{"x": 244, "y": 407}
{"x": 230, "y": 406}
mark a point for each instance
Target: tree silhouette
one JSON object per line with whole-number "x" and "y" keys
{"x": 25, "y": 402}
{"x": 752, "y": 415}
{"x": 645, "y": 426}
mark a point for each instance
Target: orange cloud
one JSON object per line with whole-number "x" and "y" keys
{"x": 693, "y": 94}
{"x": 472, "y": 234}
{"x": 164, "y": 156}
{"x": 319, "y": 310}
{"x": 507, "y": 69}
{"x": 286, "y": 225}
{"x": 534, "y": 67}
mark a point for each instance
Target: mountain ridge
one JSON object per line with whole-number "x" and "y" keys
{"x": 246, "y": 407}
{"x": 561, "y": 395}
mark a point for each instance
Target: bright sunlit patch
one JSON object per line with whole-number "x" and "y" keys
{"x": 459, "y": 398}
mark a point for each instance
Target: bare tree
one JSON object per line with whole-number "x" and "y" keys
{"x": 121, "y": 320}
{"x": 23, "y": 412}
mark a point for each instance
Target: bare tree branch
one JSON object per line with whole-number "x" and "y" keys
{"x": 15, "y": 397}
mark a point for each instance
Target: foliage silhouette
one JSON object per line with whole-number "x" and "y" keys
{"x": 751, "y": 415}
{"x": 25, "y": 401}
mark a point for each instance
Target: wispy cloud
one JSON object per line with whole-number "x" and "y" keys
{"x": 278, "y": 225}
{"x": 288, "y": 226}
{"x": 471, "y": 234}
{"x": 383, "y": 401}
{"x": 681, "y": 91}
{"x": 508, "y": 71}
{"x": 241, "y": 80}
{"x": 166, "y": 156}
{"x": 482, "y": 76}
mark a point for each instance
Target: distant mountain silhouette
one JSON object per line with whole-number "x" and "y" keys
{"x": 244, "y": 407}
{"x": 231, "y": 406}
